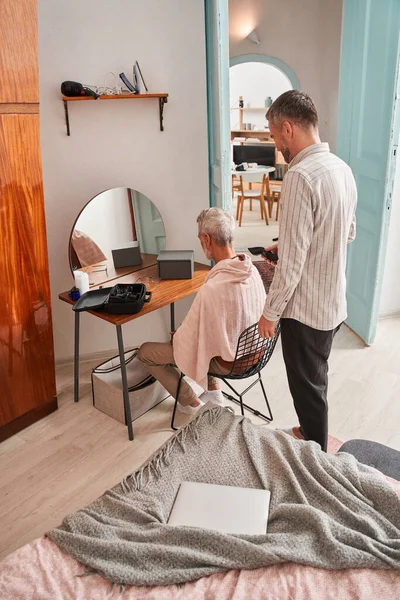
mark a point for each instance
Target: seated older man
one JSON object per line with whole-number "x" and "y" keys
{"x": 231, "y": 299}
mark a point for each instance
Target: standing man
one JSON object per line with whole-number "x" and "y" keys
{"x": 308, "y": 292}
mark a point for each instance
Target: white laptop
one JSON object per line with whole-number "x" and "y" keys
{"x": 223, "y": 508}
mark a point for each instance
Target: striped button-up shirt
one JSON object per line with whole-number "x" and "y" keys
{"x": 317, "y": 221}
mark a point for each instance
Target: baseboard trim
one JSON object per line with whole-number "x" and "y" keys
{"x": 389, "y": 314}
{"x": 100, "y": 356}
{"x": 27, "y": 419}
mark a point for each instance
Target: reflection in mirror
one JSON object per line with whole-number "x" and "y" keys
{"x": 118, "y": 232}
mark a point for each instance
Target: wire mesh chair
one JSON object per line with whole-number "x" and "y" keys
{"x": 252, "y": 354}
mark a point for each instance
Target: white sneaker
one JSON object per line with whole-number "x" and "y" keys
{"x": 213, "y": 396}
{"x": 189, "y": 410}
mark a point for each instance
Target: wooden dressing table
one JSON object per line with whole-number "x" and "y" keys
{"x": 165, "y": 293}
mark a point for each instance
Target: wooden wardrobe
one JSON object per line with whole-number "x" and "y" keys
{"x": 27, "y": 376}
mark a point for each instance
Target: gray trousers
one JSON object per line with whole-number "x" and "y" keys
{"x": 158, "y": 358}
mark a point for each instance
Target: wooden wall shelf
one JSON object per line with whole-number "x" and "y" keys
{"x": 262, "y": 134}
{"x": 162, "y": 99}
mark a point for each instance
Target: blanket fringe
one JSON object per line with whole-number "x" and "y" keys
{"x": 153, "y": 468}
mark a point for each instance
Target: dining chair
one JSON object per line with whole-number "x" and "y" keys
{"x": 273, "y": 194}
{"x": 276, "y": 197}
{"x": 252, "y": 194}
{"x": 236, "y": 192}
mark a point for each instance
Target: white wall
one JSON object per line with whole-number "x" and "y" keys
{"x": 118, "y": 143}
{"x": 254, "y": 82}
{"x": 106, "y": 219}
{"x": 306, "y": 35}
{"x": 390, "y": 299}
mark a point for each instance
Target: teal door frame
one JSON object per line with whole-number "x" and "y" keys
{"x": 217, "y": 63}
{"x": 368, "y": 133}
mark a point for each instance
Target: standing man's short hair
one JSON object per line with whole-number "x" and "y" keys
{"x": 294, "y": 106}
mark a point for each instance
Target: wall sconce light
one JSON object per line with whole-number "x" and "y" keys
{"x": 254, "y": 37}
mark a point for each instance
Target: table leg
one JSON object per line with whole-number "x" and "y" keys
{"x": 127, "y": 406}
{"x": 172, "y": 314}
{"x": 76, "y": 358}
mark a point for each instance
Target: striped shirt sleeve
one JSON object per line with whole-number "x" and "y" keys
{"x": 295, "y": 235}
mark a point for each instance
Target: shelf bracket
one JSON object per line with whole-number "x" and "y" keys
{"x": 66, "y": 117}
{"x": 161, "y": 102}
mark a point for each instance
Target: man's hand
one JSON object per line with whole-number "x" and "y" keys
{"x": 266, "y": 329}
{"x": 274, "y": 249}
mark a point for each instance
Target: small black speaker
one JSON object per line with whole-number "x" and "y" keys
{"x": 74, "y": 88}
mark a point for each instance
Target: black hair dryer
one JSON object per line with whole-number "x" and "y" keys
{"x": 71, "y": 89}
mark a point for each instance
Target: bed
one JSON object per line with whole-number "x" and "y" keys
{"x": 41, "y": 570}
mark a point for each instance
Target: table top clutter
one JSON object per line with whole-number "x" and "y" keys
{"x": 165, "y": 292}
{"x": 260, "y": 170}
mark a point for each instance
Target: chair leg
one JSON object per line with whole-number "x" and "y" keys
{"x": 240, "y": 396}
{"x": 270, "y": 206}
{"x": 176, "y": 402}
{"x": 270, "y": 418}
{"x": 264, "y": 210}
{"x": 241, "y": 404}
{"x": 251, "y": 203}
{"x": 239, "y": 399}
{"x": 241, "y": 211}
{"x": 240, "y": 208}
{"x": 269, "y": 196}
{"x": 237, "y": 207}
{"x": 278, "y": 201}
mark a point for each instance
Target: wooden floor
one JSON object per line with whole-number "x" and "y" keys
{"x": 69, "y": 458}
{"x": 254, "y": 231}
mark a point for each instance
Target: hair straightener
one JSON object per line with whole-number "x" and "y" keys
{"x": 259, "y": 250}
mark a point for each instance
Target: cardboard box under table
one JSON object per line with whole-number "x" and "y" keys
{"x": 145, "y": 392}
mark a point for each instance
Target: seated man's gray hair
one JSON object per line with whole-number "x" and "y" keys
{"x": 218, "y": 224}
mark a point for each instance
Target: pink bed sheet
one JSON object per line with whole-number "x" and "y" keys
{"x": 41, "y": 571}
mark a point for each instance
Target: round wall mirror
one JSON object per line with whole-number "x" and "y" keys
{"x": 118, "y": 232}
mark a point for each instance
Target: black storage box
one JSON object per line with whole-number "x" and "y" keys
{"x": 121, "y": 299}
{"x": 175, "y": 264}
{"x": 127, "y": 298}
{"x": 127, "y": 255}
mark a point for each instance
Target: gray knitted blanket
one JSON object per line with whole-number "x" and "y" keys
{"x": 326, "y": 511}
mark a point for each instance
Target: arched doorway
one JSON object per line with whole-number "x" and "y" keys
{"x": 255, "y": 82}
{"x": 259, "y": 80}
{"x": 270, "y": 61}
